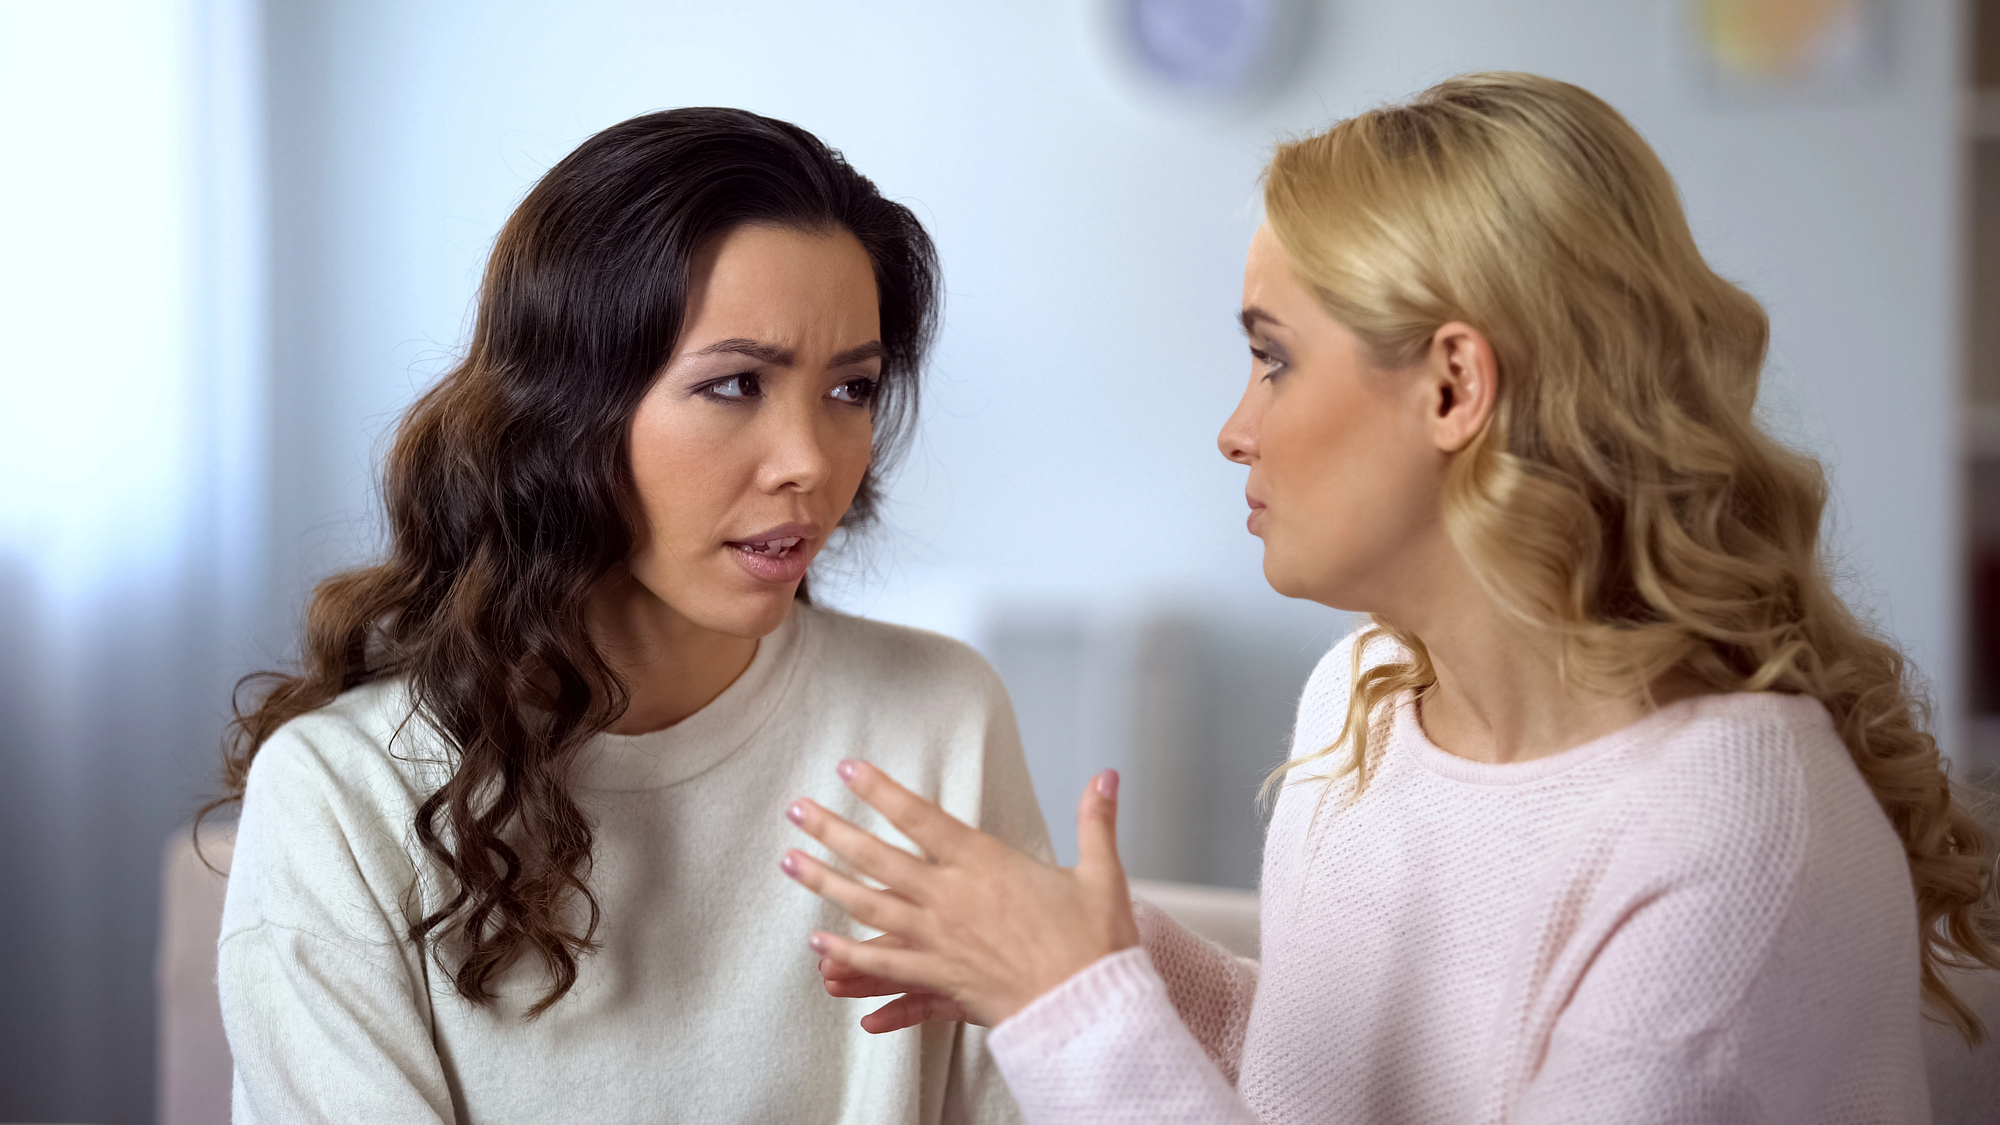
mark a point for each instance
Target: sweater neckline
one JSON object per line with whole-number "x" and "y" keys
{"x": 700, "y": 742}
{"x": 1409, "y": 735}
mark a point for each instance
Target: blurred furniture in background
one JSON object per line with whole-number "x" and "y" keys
{"x": 1965, "y": 1081}
{"x": 1982, "y": 389}
{"x": 1192, "y": 704}
{"x": 1223, "y": 915}
{"x": 194, "y": 1071}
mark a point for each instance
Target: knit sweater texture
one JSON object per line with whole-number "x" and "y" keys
{"x": 1702, "y": 918}
{"x": 702, "y": 1002}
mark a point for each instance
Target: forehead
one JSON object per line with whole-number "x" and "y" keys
{"x": 762, "y": 254}
{"x": 1268, "y": 280}
{"x": 1267, "y": 257}
{"x": 778, "y": 283}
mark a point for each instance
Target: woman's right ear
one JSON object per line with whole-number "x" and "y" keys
{"x": 1464, "y": 378}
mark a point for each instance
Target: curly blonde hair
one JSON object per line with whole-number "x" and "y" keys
{"x": 1622, "y": 497}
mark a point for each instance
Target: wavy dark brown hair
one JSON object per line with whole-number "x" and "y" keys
{"x": 510, "y": 499}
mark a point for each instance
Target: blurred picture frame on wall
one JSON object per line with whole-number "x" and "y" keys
{"x": 1205, "y": 57}
{"x": 1760, "y": 50}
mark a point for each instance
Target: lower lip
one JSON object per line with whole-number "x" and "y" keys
{"x": 1251, "y": 523}
{"x": 777, "y": 570}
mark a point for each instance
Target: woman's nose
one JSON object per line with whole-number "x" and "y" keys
{"x": 796, "y": 454}
{"x": 1238, "y": 440}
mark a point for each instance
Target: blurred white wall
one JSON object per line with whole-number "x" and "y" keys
{"x": 1065, "y": 507}
{"x": 131, "y": 544}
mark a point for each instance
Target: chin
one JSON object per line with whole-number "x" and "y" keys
{"x": 1320, "y": 583}
{"x": 1283, "y": 577}
{"x": 753, "y": 616}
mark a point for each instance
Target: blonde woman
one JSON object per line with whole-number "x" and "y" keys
{"x": 1614, "y": 813}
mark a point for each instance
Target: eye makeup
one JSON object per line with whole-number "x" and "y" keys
{"x": 860, "y": 392}
{"x": 740, "y": 387}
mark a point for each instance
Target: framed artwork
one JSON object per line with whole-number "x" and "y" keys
{"x": 1759, "y": 49}
{"x": 1213, "y": 53}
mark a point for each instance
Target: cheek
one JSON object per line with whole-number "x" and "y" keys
{"x": 1317, "y": 455}
{"x": 850, "y": 451}
{"x": 684, "y": 475}
{"x": 1351, "y": 486}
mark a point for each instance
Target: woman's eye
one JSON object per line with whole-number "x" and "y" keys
{"x": 734, "y": 387}
{"x": 1271, "y": 364}
{"x": 856, "y": 391}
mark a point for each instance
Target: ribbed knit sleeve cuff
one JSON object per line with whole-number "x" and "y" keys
{"x": 1105, "y": 1048}
{"x": 1104, "y": 991}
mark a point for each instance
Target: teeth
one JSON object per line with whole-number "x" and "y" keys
{"x": 771, "y": 548}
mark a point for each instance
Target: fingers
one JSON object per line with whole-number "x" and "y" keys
{"x": 862, "y": 985}
{"x": 864, "y": 852}
{"x": 883, "y": 910}
{"x": 911, "y": 1010}
{"x": 842, "y": 979}
{"x": 1097, "y": 825}
{"x": 933, "y": 829}
{"x": 832, "y": 970}
{"x": 880, "y": 960}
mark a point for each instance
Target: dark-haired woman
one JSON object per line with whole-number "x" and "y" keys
{"x": 504, "y": 843}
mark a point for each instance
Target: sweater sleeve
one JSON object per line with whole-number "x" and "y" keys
{"x": 1209, "y": 987}
{"x": 1106, "y": 1047}
{"x": 325, "y": 1004}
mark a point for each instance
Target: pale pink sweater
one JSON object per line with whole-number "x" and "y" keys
{"x": 1704, "y": 917}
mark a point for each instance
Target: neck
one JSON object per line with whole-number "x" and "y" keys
{"x": 671, "y": 667}
{"x": 1500, "y": 694}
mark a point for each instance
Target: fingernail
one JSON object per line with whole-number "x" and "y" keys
{"x": 797, "y": 813}
{"x": 845, "y": 769}
{"x": 790, "y": 864}
{"x": 1107, "y": 785}
{"x": 818, "y": 942}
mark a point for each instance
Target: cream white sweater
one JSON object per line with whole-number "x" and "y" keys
{"x": 703, "y": 1003}
{"x": 1704, "y": 918}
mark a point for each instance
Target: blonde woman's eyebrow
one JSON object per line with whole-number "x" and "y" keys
{"x": 1253, "y": 316}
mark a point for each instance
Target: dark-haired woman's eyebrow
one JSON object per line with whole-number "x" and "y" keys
{"x": 870, "y": 350}
{"x": 761, "y": 352}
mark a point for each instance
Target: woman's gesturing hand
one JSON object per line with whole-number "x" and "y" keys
{"x": 910, "y": 1007}
{"x": 983, "y": 927}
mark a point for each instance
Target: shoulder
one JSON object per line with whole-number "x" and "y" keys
{"x": 327, "y": 810}
{"x": 1725, "y": 803}
{"x": 932, "y": 712}
{"x": 1737, "y": 820}
{"x": 1323, "y": 702}
{"x": 1736, "y": 772}
{"x": 368, "y": 745}
{"x": 897, "y": 658}
{"x": 1760, "y": 790}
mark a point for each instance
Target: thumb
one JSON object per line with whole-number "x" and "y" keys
{"x": 1097, "y": 827}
